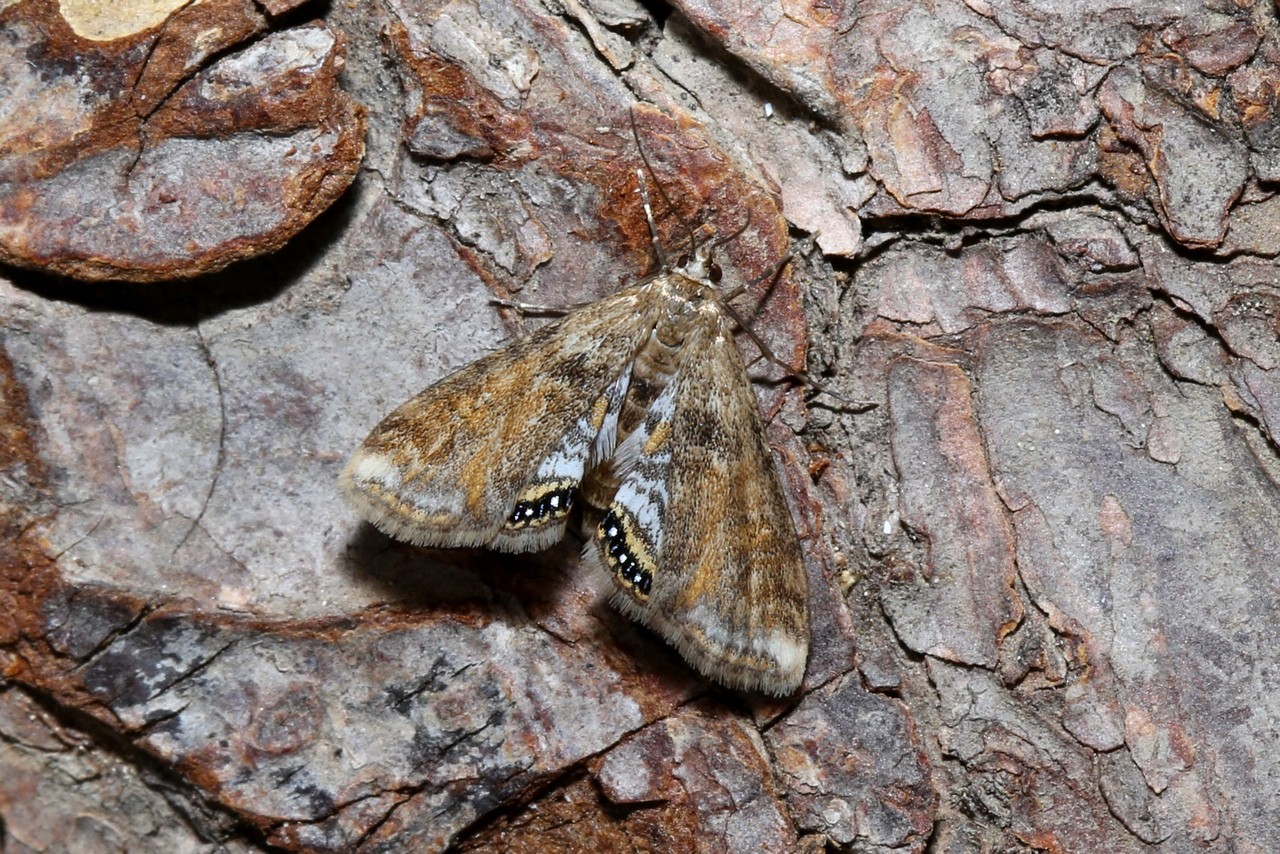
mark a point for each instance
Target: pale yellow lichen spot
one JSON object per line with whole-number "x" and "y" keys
{"x": 658, "y": 437}
{"x": 108, "y": 20}
{"x": 598, "y": 411}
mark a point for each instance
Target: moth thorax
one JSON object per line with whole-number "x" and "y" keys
{"x": 683, "y": 316}
{"x": 671, "y": 334}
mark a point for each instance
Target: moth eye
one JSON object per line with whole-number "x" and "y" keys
{"x": 716, "y": 274}
{"x": 543, "y": 504}
{"x": 628, "y": 559}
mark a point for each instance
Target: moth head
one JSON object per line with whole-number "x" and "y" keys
{"x": 701, "y": 263}
{"x": 700, "y": 267}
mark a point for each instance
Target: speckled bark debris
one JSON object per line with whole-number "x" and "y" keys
{"x": 1041, "y": 563}
{"x": 153, "y": 141}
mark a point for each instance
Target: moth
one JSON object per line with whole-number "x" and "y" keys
{"x": 639, "y": 408}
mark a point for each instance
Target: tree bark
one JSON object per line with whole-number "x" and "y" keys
{"x": 1036, "y": 490}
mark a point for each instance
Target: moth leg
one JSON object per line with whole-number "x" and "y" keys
{"x": 536, "y": 308}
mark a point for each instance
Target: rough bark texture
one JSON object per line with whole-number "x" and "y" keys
{"x": 155, "y": 140}
{"x": 1042, "y": 565}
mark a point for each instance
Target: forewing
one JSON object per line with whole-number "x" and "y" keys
{"x": 698, "y": 542}
{"x": 493, "y": 454}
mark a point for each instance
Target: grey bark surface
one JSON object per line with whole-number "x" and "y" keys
{"x": 1042, "y": 563}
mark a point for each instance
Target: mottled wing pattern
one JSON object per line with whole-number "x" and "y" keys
{"x": 493, "y": 454}
{"x": 698, "y": 542}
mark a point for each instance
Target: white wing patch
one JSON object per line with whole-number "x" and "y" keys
{"x": 607, "y": 437}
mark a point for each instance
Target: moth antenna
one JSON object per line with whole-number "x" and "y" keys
{"x": 644, "y": 192}
{"x": 738, "y": 233}
{"x": 658, "y": 248}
